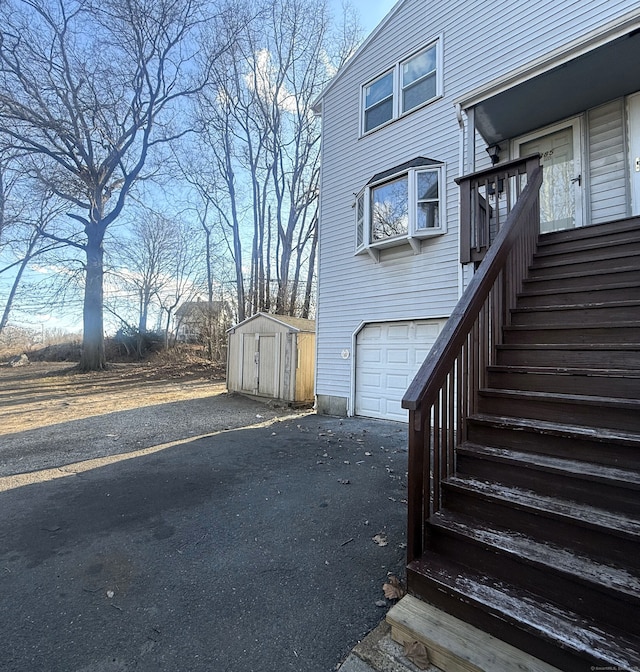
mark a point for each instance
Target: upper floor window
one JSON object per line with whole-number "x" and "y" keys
{"x": 378, "y": 102}
{"x": 401, "y": 205}
{"x": 408, "y": 85}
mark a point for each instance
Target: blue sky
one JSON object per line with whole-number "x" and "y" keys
{"x": 371, "y": 11}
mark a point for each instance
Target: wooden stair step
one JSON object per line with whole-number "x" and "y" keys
{"x": 452, "y": 644}
{"x": 560, "y": 637}
{"x": 611, "y": 312}
{"x": 585, "y": 585}
{"x": 565, "y": 379}
{"x": 585, "y": 247}
{"x": 552, "y": 507}
{"x": 615, "y": 356}
{"x": 591, "y": 232}
{"x": 604, "y": 277}
{"x": 612, "y": 412}
{"x": 554, "y": 264}
{"x": 622, "y": 332}
{"x": 620, "y": 291}
{"x": 612, "y": 537}
{"x": 559, "y": 476}
{"x": 600, "y": 445}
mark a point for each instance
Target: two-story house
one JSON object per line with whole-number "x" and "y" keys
{"x": 430, "y": 90}
{"x": 479, "y": 267}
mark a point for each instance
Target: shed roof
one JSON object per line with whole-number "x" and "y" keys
{"x": 297, "y": 324}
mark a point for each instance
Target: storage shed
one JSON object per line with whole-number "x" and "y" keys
{"x": 272, "y": 356}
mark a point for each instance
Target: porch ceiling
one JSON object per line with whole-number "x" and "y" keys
{"x": 606, "y": 73}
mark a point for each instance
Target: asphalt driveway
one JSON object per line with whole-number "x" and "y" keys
{"x": 246, "y": 550}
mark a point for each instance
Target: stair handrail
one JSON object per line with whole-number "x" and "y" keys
{"x": 444, "y": 392}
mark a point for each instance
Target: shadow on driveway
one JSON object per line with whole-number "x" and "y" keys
{"x": 250, "y": 550}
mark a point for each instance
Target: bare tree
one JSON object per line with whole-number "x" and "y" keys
{"x": 87, "y": 91}
{"x": 25, "y": 212}
{"x": 262, "y": 140}
{"x": 145, "y": 261}
{"x": 185, "y": 277}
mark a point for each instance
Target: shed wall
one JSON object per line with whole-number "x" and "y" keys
{"x": 279, "y": 371}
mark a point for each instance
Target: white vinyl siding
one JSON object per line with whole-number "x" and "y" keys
{"x": 607, "y": 166}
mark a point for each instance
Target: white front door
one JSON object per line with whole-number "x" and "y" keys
{"x": 634, "y": 151}
{"x": 561, "y": 157}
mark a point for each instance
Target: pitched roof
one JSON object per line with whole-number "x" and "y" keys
{"x": 296, "y": 323}
{"x": 316, "y": 106}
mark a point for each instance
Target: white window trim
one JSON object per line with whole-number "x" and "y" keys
{"x": 414, "y": 236}
{"x": 397, "y": 86}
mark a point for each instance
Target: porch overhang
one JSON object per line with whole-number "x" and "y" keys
{"x": 587, "y": 79}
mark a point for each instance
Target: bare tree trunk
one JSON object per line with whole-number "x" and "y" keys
{"x": 93, "y": 355}
{"x": 210, "y": 335}
{"x": 306, "y": 308}
{"x": 16, "y": 282}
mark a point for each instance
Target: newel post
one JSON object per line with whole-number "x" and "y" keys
{"x": 465, "y": 220}
{"x": 416, "y": 485}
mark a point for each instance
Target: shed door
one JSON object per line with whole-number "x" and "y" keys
{"x": 249, "y": 363}
{"x": 388, "y": 355}
{"x": 268, "y": 365}
{"x": 261, "y": 364}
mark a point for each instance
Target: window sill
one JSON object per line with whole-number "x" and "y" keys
{"x": 414, "y": 241}
{"x": 402, "y": 115}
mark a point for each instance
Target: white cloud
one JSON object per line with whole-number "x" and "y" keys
{"x": 263, "y": 81}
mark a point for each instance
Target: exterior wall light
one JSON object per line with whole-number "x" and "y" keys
{"x": 494, "y": 153}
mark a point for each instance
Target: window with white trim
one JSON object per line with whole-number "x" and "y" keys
{"x": 378, "y": 102}
{"x": 411, "y": 83}
{"x": 399, "y": 206}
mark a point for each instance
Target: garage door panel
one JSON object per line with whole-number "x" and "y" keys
{"x": 420, "y": 354}
{"x": 397, "y": 383}
{"x": 397, "y": 356}
{"x": 371, "y": 380}
{"x": 371, "y": 406}
{"x": 427, "y": 332}
{"x": 394, "y": 411}
{"x": 373, "y": 333}
{"x": 388, "y": 355}
{"x": 398, "y": 332}
{"x": 369, "y": 355}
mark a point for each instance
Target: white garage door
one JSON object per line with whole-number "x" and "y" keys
{"x": 388, "y": 355}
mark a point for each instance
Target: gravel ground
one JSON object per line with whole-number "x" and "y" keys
{"x": 133, "y": 429}
{"x": 208, "y": 533}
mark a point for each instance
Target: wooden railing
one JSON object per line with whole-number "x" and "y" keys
{"x": 444, "y": 392}
{"x": 486, "y": 198}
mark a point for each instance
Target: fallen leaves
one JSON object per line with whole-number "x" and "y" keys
{"x": 380, "y": 539}
{"x": 417, "y": 653}
{"x": 393, "y": 589}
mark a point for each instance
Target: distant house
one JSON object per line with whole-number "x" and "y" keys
{"x": 479, "y": 277}
{"x": 198, "y": 320}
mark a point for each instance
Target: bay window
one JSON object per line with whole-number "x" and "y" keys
{"x": 400, "y": 206}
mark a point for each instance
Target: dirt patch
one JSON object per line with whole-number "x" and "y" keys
{"x": 51, "y": 416}
{"x": 46, "y": 393}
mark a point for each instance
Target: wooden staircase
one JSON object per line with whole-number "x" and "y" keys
{"x": 537, "y": 538}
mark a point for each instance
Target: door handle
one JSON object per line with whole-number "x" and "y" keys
{"x": 638, "y": 164}
{"x": 578, "y": 180}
